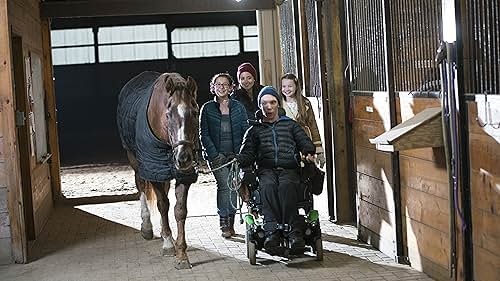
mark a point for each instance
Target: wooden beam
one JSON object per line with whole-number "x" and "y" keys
{"x": 50, "y": 102}
{"x": 335, "y": 100}
{"x": 95, "y": 8}
{"x": 11, "y": 154}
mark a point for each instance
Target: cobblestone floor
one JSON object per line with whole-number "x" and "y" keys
{"x": 103, "y": 242}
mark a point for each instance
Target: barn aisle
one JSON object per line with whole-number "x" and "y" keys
{"x": 103, "y": 242}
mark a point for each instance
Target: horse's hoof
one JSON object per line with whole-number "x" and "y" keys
{"x": 183, "y": 264}
{"x": 147, "y": 234}
{"x": 169, "y": 252}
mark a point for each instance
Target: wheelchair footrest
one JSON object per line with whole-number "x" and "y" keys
{"x": 278, "y": 251}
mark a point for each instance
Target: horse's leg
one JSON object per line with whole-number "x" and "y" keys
{"x": 180, "y": 212}
{"x": 161, "y": 190}
{"x": 146, "y": 225}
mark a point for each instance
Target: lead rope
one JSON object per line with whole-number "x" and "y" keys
{"x": 233, "y": 183}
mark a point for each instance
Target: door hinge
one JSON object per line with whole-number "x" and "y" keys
{"x": 20, "y": 119}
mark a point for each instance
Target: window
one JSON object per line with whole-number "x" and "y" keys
{"x": 132, "y": 43}
{"x": 250, "y": 38}
{"x": 72, "y": 46}
{"x": 211, "y": 41}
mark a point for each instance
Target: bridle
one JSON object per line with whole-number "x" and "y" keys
{"x": 186, "y": 143}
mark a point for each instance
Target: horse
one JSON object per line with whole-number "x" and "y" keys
{"x": 157, "y": 118}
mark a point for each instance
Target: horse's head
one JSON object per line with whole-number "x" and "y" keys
{"x": 182, "y": 120}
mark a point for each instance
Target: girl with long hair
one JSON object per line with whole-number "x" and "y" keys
{"x": 299, "y": 108}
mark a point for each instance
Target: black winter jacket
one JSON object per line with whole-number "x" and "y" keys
{"x": 250, "y": 104}
{"x": 275, "y": 145}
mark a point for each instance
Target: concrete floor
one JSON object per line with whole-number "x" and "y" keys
{"x": 103, "y": 242}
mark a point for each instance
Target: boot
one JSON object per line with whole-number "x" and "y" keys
{"x": 272, "y": 243}
{"x": 226, "y": 227}
{"x": 231, "y": 224}
{"x": 297, "y": 243}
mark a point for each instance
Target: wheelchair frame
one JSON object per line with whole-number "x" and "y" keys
{"x": 255, "y": 234}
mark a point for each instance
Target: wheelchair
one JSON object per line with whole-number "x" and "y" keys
{"x": 255, "y": 234}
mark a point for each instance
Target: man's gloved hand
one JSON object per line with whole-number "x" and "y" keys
{"x": 308, "y": 157}
{"x": 218, "y": 161}
{"x": 320, "y": 159}
{"x": 249, "y": 178}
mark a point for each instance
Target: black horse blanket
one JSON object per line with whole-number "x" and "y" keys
{"x": 155, "y": 158}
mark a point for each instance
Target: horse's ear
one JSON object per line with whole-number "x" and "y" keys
{"x": 169, "y": 84}
{"x": 191, "y": 85}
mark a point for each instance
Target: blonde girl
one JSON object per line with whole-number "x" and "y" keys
{"x": 299, "y": 108}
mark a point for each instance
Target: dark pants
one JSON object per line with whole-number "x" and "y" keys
{"x": 279, "y": 191}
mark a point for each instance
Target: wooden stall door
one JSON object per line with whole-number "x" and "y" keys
{"x": 22, "y": 133}
{"x": 30, "y": 119}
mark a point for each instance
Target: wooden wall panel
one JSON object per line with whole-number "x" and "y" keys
{"x": 484, "y": 154}
{"x": 485, "y": 191}
{"x": 380, "y": 224}
{"x": 374, "y": 163}
{"x": 17, "y": 243}
{"x": 425, "y": 208}
{"x": 41, "y": 178}
{"x": 375, "y": 192}
{"x": 424, "y": 176}
{"x": 408, "y": 106}
{"x": 374, "y": 173}
{"x": 428, "y": 242}
{"x": 432, "y": 154}
{"x": 484, "y": 140}
{"x": 374, "y": 108}
{"x": 364, "y": 130}
{"x": 486, "y": 264}
{"x": 485, "y": 229}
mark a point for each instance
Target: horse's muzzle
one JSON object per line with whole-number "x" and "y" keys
{"x": 184, "y": 158}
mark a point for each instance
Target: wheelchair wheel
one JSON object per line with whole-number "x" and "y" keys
{"x": 251, "y": 253}
{"x": 318, "y": 245}
{"x": 251, "y": 247}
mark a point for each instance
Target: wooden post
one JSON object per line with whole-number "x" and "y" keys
{"x": 269, "y": 48}
{"x": 50, "y": 101}
{"x": 400, "y": 256}
{"x": 335, "y": 100}
{"x": 12, "y": 175}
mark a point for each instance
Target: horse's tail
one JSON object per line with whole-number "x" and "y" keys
{"x": 150, "y": 197}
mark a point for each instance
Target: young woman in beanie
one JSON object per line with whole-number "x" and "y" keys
{"x": 299, "y": 108}
{"x": 248, "y": 88}
{"x": 223, "y": 123}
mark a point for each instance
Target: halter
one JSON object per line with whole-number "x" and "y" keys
{"x": 184, "y": 142}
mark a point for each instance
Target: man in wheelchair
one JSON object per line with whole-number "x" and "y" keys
{"x": 274, "y": 144}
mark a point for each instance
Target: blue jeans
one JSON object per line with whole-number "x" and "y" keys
{"x": 226, "y": 198}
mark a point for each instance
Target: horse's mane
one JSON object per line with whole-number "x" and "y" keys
{"x": 169, "y": 82}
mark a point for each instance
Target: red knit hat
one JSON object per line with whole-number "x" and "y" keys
{"x": 246, "y": 67}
